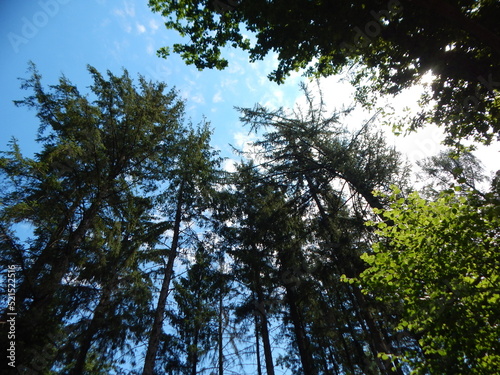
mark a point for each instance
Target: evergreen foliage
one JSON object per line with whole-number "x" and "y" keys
{"x": 136, "y": 254}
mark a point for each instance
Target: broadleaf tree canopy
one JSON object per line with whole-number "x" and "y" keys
{"x": 440, "y": 257}
{"x": 393, "y": 42}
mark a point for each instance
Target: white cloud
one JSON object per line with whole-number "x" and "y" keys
{"x": 198, "y": 98}
{"x": 274, "y": 100}
{"x": 105, "y": 22}
{"x": 193, "y": 98}
{"x": 229, "y": 165}
{"x": 117, "y": 48}
{"x": 150, "y": 49}
{"x": 228, "y": 82}
{"x": 160, "y": 72}
{"x": 241, "y": 139}
{"x": 129, "y": 9}
{"x": 250, "y": 84}
{"x": 245, "y": 143}
{"x": 140, "y": 28}
{"x": 217, "y": 97}
{"x": 124, "y": 13}
{"x": 235, "y": 68}
{"x": 153, "y": 25}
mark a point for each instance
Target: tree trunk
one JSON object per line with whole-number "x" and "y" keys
{"x": 193, "y": 358}
{"x": 376, "y": 340}
{"x": 95, "y": 324}
{"x": 39, "y": 315}
{"x": 29, "y": 285}
{"x": 300, "y": 335}
{"x": 264, "y": 330}
{"x": 154, "y": 337}
{"x": 99, "y": 316}
{"x": 379, "y": 343}
{"x": 220, "y": 334}
{"x": 257, "y": 345}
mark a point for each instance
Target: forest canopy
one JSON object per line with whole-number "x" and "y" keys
{"x": 392, "y": 44}
{"x": 143, "y": 256}
{"x": 136, "y": 250}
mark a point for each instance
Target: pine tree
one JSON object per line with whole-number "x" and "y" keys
{"x": 195, "y": 316}
{"x": 191, "y": 183}
{"x": 327, "y": 176}
{"x": 252, "y": 262}
{"x": 102, "y": 157}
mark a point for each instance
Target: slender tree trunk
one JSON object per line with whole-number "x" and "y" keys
{"x": 40, "y": 313}
{"x": 376, "y": 339}
{"x": 194, "y": 355}
{"x": 154, "y": 337}
{"x": 257, "y": 345}
{"x": 95, "y": 324}
{"x": 333, "y": 359}
{"x": 220, "y": 334}
{"x": 300, "y": 335}
{"x": 99, "y": 316}
{"x": 267, "y": 346}
{"x": 264, "y": 331}
{"x": 359, "y": 353}
{"x": 43, "y": 291}
{"x": 345, "y": 347}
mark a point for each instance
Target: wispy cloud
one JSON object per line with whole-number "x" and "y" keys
{"x": 217, "y": 97}
{"x": 128, "y": 10}
{"x": 245, "y": 143}
{"x": 228, "y": 82}
{"x": 150, "y": 49}
{"x": 275, "y": 99}
{"x": 250, "y": 84}
{"x": 118, "y": 48}
{"x": 197, "y": 98}
{"x": 243, "y": 140}
{"x": 153, "y": 25}
{"x": 125, "y": 13}
{"x": 140, "y": 28}
{"x": 105, "y": 22}
{"x": 235, "y": 68}
{"x": 160, "y": 72}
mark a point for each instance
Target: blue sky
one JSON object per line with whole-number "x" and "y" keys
{"x": 63, "y": 36}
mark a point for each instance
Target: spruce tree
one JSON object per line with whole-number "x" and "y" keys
{"x": 85, "y": 198}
